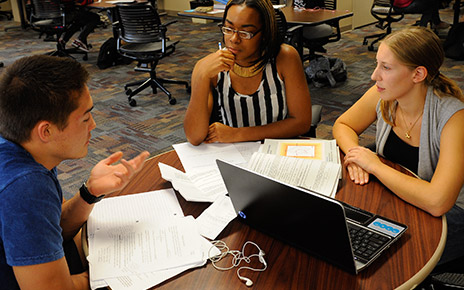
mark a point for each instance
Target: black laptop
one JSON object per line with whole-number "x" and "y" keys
{"x": 338, "y": 233}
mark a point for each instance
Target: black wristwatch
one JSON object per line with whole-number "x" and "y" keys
{"x": 87, "y": 196}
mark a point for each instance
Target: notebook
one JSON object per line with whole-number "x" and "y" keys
{"x": 331, "y": 230}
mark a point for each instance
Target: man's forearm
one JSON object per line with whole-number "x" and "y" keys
{"x": 81, "y": 281}
{"x": 75, "y": 213}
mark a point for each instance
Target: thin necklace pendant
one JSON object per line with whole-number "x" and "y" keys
{"x": 408, "y": 130}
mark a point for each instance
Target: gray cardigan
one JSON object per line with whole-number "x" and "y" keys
{"x": 437, "y": 112}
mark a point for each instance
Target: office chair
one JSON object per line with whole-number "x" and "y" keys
{"x": 49, "y": 17}
{"x": 447, "y": 276}
{"x": 142, "y": 37}
{"x": 315, "y": 37}
{"x": 293, "y": 36}
{"x": 290, "y": 35}
{"x": 385, "y": 14}
{"x": 8, "y": 14}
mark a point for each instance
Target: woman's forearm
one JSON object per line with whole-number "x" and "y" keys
{"x": 346, "y": 137}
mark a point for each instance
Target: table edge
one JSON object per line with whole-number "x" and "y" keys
{"x": 420, "y": 276}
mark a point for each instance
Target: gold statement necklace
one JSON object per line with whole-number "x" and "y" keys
{"x": 247, "y": 71}
{"x": 408, "y": 130}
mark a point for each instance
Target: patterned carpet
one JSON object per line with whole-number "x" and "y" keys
{"x": 154, "y": 125}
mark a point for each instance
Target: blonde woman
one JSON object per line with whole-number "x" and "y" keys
{"x": 420, "y": 117}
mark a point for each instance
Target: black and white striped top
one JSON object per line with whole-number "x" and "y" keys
{"x": 267, "y": 105}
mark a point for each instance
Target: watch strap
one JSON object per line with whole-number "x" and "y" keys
{"x": 87, "y": 196}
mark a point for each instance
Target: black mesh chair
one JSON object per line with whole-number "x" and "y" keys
{"x": 49, "y": 17}
{"x": 293, "y": 36}
{"x": 385, "y": 14}
{"x": 315, "y": 37}
{"x": 446, "y": 276}
{"x": 142, "y": 37}
{"x": 290, "y": 35}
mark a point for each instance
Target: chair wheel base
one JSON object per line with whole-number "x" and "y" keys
{"x": 172, "y": 101}
{"x": 132, "y": 102}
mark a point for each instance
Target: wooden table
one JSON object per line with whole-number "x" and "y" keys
{"x": 402, "y": 266}
{"x": 305, "y": 17}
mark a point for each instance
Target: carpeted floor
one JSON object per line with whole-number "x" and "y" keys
{"x": 154, "y": 125}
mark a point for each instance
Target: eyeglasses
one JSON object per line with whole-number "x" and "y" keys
{"x": 242, "y": 34}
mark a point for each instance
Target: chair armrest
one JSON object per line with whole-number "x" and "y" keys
{"x": 294, "y": 37}
{"x": 316, "y": 115}
{"x": 294, "y": 29}
{"x": 169, "y": 23}
{"x": 315, "y": 119}
{"x": 163, "y": 29}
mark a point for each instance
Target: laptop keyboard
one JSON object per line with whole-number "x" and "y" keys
{"x": 365, "y": 243}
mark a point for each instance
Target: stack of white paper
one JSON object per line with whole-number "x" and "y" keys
{"x": 202, "y": 181}
{"x": 138, "y": 241}
{"x": 316, "y": 175}
{"x": 312, "y": 149}
{"x": 316, "y": 168}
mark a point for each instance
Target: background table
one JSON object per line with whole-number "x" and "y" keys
{"x": 404, "y": 265}
{"x": 293, "y": 16}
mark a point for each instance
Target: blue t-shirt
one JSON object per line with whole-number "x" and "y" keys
{"x": 30, "y": 212}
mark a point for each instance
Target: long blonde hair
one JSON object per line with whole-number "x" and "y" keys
{"x": 420, "y": 46}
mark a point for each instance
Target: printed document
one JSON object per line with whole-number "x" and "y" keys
{"x": 202, "y": 181}
{"x": 142, "y": 235}
{"x": 200, "y": 185}
{"x": 216, "y": 217}
{"x": 144, "y": 246}
{"x": 314, "y": 149}
{"x": 148, "y": 280}
{"x": 205, "y": 155}
{"x": 315, "y": 175}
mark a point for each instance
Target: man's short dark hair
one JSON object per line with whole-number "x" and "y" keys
{"x": 38, "y": 88}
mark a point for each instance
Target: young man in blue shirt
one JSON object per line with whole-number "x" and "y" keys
{"x": 45, "y": 118}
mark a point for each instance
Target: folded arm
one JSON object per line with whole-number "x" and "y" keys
{"x": 298, "y": 120}
{"x": 437, "y": 196}
{"x": 350, "y": 125}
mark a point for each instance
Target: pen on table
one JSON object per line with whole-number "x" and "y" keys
{"x": 220, "y": 45}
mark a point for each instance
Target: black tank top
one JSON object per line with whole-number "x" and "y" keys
{"x": 398, "y": 151}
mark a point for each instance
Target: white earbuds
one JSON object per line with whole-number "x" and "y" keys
{"x": 261, "y": 257}
{"x": 238, "y": 257}
{"x": 247, "y": 281}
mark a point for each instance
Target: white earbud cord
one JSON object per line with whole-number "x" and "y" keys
{"x": 238, "y": 257}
